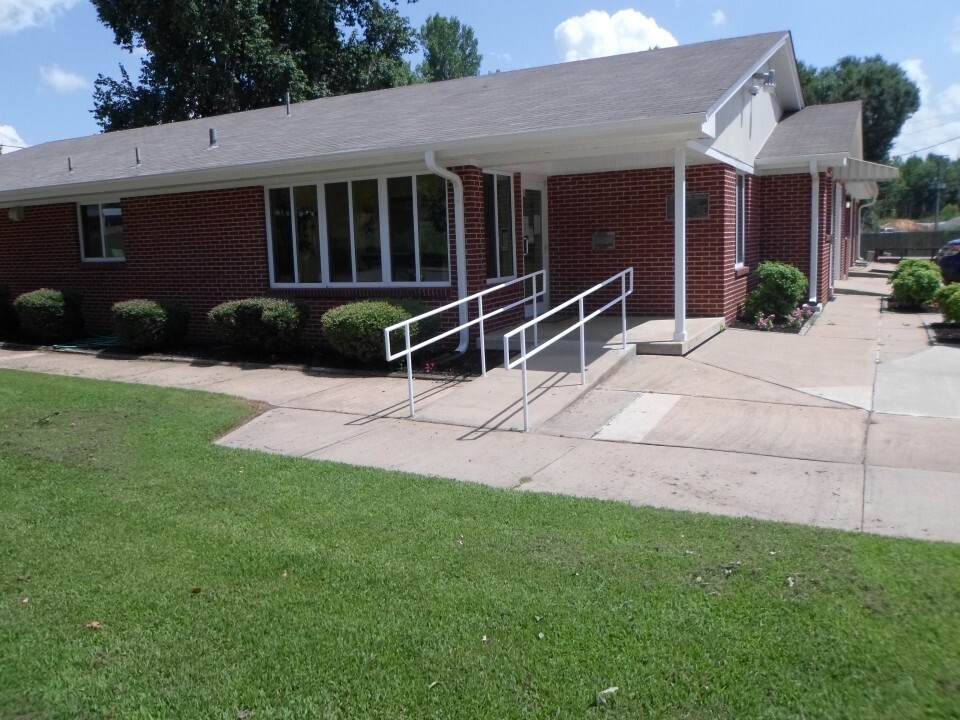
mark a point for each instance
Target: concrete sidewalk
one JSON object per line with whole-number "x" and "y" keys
{"x": 844, "y": 427}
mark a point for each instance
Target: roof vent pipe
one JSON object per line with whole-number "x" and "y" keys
{"x": 288, "y": 104}
{"x": 69, "y": 165}
{"x": 213, "y": 138}
{"x": 136, "y": 152}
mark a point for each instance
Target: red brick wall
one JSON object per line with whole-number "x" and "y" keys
{"x": 201, "y": 248}
{"x": 785, "y": 223}
{"x": 633, "y": 204}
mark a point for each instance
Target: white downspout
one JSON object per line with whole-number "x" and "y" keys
{"x": 860, "y": 210}
{"x": 680, "y": 243}
{"x": 814, "y": 229}
{"x": 430, "y": 159}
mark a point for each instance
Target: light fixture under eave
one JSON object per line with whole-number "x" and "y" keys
{"x": 16, "y": 214}
{"x": 769, "y": 79}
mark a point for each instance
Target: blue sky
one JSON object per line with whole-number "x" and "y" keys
{"x": 52, "y": 50}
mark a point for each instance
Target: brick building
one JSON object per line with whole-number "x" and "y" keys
{"x": 440, "y": 190}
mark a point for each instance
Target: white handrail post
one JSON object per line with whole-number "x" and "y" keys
{"x": 483, "y": 341}
{"x": 523, "y": 375}
{"x": 623, "y": 311}
{"x": 583, "y": 344}
{"x": 536, "y": 325}
{"x": 406, "y": 333}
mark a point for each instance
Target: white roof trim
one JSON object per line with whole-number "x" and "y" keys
{"x": 861, "y": 170}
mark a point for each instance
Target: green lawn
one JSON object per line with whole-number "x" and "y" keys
{"x": 235, "y": 584}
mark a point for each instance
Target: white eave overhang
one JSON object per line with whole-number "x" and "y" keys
{"x": 565, "y": 140}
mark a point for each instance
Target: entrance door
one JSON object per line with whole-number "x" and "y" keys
{"x": 534, "y": 236}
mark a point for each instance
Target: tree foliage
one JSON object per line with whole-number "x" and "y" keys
{"x": 913, "y": 194}
{"x": 449, "y": 49}
{"x": 889, "y": 97}
{"x": 206, "y": 58}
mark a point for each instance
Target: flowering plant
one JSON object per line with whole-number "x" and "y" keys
{"x": 798, "y": 317}
{"x": 764, "y": 322}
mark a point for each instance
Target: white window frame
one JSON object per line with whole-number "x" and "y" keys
{"x": 740, "y": 230}
{"x": 513, "y": 226}
{"x": 103, "y": 238}
{"x": 383, "y": 200}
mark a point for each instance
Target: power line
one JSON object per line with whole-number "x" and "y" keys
{"x": 928, "y": 147}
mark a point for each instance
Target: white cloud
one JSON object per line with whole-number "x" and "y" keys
{"x": 10, "y": 139}
{"x": 599, "y": 34}
{"x": 16, "y": 15}
{"x": 718, "y": 17}
{"x": 62, "y": 81}
{"x": 937, "y": 120}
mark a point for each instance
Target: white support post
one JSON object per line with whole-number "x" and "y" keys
{"x": 814, "y": 230}
{"x": 406, "y": 333}
{"x": 680, "y": 243}
{"x": 483, "y": 341}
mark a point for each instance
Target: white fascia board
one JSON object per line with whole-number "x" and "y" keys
{"x": 799, "y": 163}
{"x": 452, "y": 153}
{"x": 747, "y": 77}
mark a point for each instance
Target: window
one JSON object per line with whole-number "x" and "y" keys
{"x": 101, "y": 231}
{"x": 741, "y": 231}
{"x": 498, "y": 211}
{"x": 373, "y": 231}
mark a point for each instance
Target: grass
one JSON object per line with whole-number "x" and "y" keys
{"x": 232, "y": 584}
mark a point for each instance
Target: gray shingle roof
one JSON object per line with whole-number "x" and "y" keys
{"x": 662, "y": 83}
{"x": 815, "y": 130}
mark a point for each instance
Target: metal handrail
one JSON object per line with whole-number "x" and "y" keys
{"x": 408, "y": 350}
{"x": 625, "y": 291}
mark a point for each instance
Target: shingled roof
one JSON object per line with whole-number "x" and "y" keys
{"x": 576, "y": 96}
{"x": 815, "y": 130}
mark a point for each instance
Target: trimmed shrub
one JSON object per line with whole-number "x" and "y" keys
{"x": 50, "y": 316}
{"x": 909, "y": 265}
{"x": 915, "y": 284}
{"x": 780, "y": 291}
{"x": 948, "y": 300}
{"x": 149, "y": 324}
{"x": 9, "y": 322}
{"x": 356, "y": 329}
{"x": 270, "y": 324}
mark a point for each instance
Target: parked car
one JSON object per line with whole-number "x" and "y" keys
{"x": 948, "y": 258}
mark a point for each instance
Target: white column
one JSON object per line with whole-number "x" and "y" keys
{"x": 814, "y": 229}
{"x": 680, "y": 243}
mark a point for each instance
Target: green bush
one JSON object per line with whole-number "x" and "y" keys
{"x": 50, "y": 316}
{"x": 948, "y": 300}
{"x": 356, "y": 329}
{"x": 149, "y": 324}
{"x": 270, "y": 324}
{"x": 9, "y": 322}
{"x": 909, "y": 265}
{"x": 781, "y": 289}
{"x": 915, "y": 284}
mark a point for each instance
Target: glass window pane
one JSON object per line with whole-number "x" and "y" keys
{"x": 403, "y": 263}
{"x": 490, "y": 223}
{"x": 432, "y": 226}
{"x": 281, "y": 232}
{"x": 112, "y": 230}
{"x": 308, "y": 233}
{"x": 90, "y": 229}
{"x": 366, "y": 230}
{"x": 505, "y": 224}
{"x": 337, "y": 202}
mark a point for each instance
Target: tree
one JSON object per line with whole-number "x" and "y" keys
{"x": 206, "y": 58}
{"x": 889, "y": 97}
{"x": 449, "y": 49}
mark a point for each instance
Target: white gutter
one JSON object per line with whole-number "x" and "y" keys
{"x": 814, "y": 229}
{"x": 430, "y": 159}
